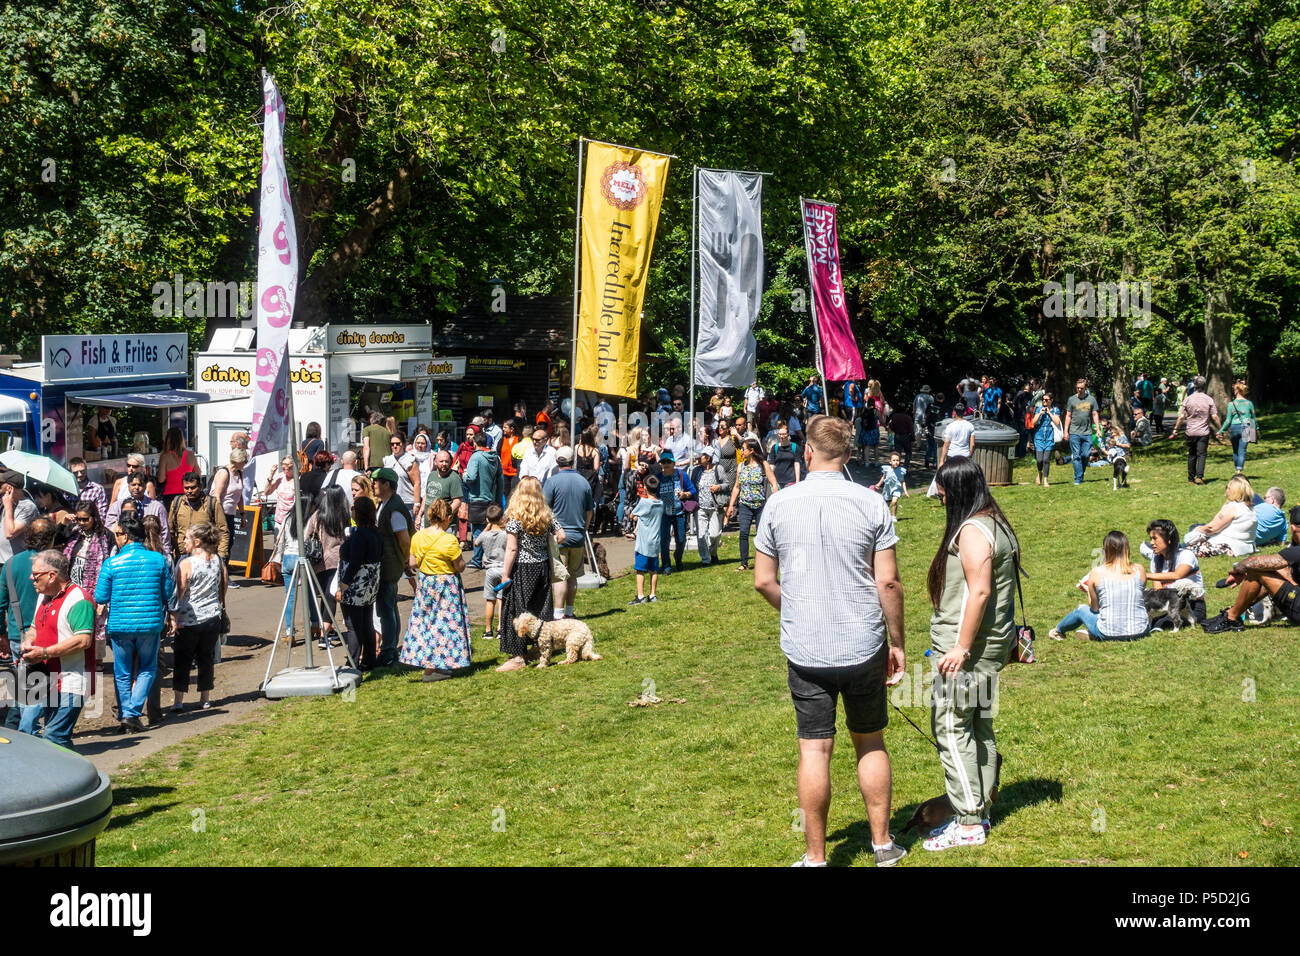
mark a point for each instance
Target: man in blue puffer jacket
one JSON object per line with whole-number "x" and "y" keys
{"x": 136, "y": 585}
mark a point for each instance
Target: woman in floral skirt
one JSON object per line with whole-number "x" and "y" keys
{"x": 437, "y": 635}
{"x": 526, "y": 575}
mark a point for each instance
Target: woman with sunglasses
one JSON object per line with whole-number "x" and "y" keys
{"x": 86, "y": 554}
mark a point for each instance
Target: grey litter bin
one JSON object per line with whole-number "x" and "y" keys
{"x": 994, "y": 445}
{"x": 53, "y": 803}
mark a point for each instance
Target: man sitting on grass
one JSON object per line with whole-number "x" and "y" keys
{"x": 1260, "y": 575}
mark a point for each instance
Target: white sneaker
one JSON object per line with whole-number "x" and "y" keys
{"x": 803, "y": 861}
{"x": 950, "y": 835}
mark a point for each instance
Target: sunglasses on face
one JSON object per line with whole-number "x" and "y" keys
{"x": 83, "y": 519}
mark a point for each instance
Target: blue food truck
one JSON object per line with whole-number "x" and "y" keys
{"x": 98, "y": 397}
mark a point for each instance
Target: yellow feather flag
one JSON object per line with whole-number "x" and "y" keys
{"x": 621, "y": 194}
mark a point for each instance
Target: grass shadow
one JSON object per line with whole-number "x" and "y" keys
{"x": 855, "y": 839}
{"x": 127, "y": 796}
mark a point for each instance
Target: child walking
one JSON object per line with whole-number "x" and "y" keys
{"x": 492, "y": 540}
{"x": 893, "y": 482}
{"x": 648, "y": 515}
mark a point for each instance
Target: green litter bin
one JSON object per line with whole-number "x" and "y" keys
{"x": 992, "y": 447}
{"x": 53, "y": 803}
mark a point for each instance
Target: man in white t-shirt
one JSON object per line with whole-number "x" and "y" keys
{"x": 958, "y": 436}
{"x": 60, "y": 640}
{"x": 753, "y": 395}
{"x": 539, "y": 460}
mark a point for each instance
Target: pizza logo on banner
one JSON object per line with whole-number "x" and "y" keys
{"x": 623, "y": 185}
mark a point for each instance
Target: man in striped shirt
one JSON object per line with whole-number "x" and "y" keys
{"x": 833, "y": 543}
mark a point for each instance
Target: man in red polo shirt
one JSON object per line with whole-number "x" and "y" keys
{"x": 61, "y": 641}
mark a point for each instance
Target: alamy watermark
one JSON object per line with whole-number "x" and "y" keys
{"x": 203, "y": 300}
{"x": 1101, "y": 300}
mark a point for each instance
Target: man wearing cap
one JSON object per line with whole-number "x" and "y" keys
{"x": 711, "y": 493}
{"x": 675, "y": 486}
{"x": 539, "y": 459}
{"x": 394, "y": 523}
{"x": 568, "y": 495}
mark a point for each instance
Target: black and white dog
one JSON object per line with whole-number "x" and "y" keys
{"x": 1172, "y": 603}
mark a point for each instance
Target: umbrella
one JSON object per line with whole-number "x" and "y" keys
{"x": 42, "y": 469}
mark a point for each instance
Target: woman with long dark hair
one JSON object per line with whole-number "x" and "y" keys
{"x": 1173, "y": 565}
{"x": 972, "y": 588}
{"x": 86, "y": 554}
{"x": 329, "y": 525}
{"x": 753, "y": 479}
{"x": 357, "y": 583}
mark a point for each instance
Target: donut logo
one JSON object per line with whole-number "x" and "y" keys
{"x": 623, "y": 185}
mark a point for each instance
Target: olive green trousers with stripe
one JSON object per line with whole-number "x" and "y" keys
{"x": 961, "y": 715}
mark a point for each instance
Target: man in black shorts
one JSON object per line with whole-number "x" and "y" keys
{"x": 1260, "y": 575}
{"x": 833, "y": 542}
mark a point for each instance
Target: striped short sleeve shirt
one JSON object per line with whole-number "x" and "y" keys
{"x": 824, "y": 533}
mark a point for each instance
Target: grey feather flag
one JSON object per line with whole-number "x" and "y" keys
{"x": 731, "y": 276}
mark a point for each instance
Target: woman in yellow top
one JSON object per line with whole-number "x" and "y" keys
{"x": 437, "y": 636}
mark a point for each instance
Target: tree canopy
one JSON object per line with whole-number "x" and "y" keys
{"x": 979, "y": 152}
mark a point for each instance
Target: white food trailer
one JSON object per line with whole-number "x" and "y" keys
{"x": 339, "y": 374}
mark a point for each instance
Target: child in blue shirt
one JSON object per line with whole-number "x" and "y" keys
{"x": 893, "y": 482}
{"x": 648, "y": 515}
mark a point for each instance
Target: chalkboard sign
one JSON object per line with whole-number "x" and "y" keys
{"x": 246, "y": 543}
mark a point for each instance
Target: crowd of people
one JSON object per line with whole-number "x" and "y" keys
{"x": 130, "y": 569}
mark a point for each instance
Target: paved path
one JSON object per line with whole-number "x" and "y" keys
{"x": 254, "y": 610}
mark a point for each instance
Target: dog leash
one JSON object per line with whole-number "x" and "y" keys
{"x": 933, "y": 742}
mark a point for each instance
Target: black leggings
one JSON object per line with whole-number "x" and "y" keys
{"x": 360, "y": 620}
{"x": 196, "y": 642}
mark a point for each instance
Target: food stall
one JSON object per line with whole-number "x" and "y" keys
{"x": 339, "y": 374}
{"x": 100, "y": 397}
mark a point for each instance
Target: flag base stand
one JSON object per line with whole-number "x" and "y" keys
{"x": 311, "y": 680}
{"x": 592, "y": 579}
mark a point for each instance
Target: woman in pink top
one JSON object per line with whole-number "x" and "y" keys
{"x": 279, "y": 487}
{"x": 173, "y": 464}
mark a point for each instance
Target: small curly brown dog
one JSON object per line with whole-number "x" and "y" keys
{"x": 571, "y": 634}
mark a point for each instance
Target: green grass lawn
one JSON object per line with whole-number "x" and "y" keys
{"x": 1131, "y": 754}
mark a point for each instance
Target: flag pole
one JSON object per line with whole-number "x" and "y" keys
{"x": 695, "y": 200}
{"x": 577, "y": 252}
{"x": 812, "y": 298}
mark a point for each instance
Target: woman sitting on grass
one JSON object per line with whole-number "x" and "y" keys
{"x": 1173, "y": 566}
{"x": 1232, "y": 530}
{"x": 1115, "y": 610}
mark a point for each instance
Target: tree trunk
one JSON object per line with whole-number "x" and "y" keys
{"x": 343, "y": 261}
{"x": 1218, "y": 345}
{"x": 1122, "y": 410}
